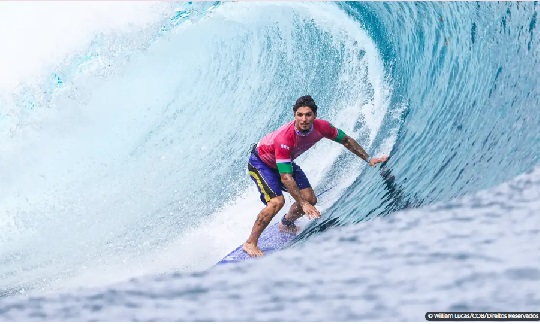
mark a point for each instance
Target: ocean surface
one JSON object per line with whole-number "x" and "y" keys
{"x": 125, "y": 129}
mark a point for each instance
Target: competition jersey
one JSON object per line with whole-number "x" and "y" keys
{"x": 279, "y": 148}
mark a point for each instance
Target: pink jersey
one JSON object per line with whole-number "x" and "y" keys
{"x": 279, "y": 148}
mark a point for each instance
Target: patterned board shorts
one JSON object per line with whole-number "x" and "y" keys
{"x": 268, "y": 180}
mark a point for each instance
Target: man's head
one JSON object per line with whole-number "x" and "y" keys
{"x": 305, "y": 112}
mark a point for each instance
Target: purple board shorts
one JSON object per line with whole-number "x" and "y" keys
{"x": 268, "y": 180}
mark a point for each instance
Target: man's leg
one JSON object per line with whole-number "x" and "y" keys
{"x": 296, "y": 211}
{"x": 263, "y": 219}
{"x": 268, "y": 184}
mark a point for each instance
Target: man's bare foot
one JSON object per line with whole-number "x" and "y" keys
{"x": 252, "y": 249}
{"x": 293, "y": 229}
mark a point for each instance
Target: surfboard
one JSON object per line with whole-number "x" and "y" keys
{"x": 272, "y": 239}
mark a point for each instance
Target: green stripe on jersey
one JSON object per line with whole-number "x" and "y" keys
{"x": 340, "y": 136}
{"x": 284, "y": 167}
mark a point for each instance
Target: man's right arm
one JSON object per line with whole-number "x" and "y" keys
{"x": 293, "y": 189}
{"x": 284, "y": 165}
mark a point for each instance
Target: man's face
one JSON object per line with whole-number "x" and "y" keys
{"x": 304, "y": 118}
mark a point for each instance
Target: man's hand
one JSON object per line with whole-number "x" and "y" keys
{"x": 373, "y": 161}
{"x": 310, "y": 211}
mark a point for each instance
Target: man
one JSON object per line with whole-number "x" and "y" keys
{"x": 272, "y": 168}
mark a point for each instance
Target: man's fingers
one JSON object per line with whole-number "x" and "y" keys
{"x": 382, "y": 159}
{"x": 313, "y": 214}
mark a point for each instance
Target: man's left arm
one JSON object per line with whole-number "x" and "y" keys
{"x": 352, "y": 145}
{"x": 330, "y": 131}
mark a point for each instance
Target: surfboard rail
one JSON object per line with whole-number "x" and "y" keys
{"x": 271, "y": 240}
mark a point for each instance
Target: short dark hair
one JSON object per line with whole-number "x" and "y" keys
{"x": 305, "y": 101}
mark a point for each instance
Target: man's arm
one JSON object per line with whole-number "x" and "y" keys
{"x": 352, "y": 145}
{"x": 293, "y": 189}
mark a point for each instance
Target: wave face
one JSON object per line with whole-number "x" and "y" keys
{"x": 465, "y": 73}
{"x": 123, "y": 155}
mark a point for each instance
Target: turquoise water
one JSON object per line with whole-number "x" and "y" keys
{"x": 467, "y": 74}
{"x": 123, "y": 168}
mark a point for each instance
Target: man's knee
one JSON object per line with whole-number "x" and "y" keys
{"x": 276, "y": 203}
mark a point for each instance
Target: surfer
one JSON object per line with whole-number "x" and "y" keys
{"x": 272, "y": 168}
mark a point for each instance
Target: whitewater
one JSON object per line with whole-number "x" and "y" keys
{"x": 125, "y": 129}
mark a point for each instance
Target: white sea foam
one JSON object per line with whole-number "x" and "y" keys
{"x": 36, "y": 36}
